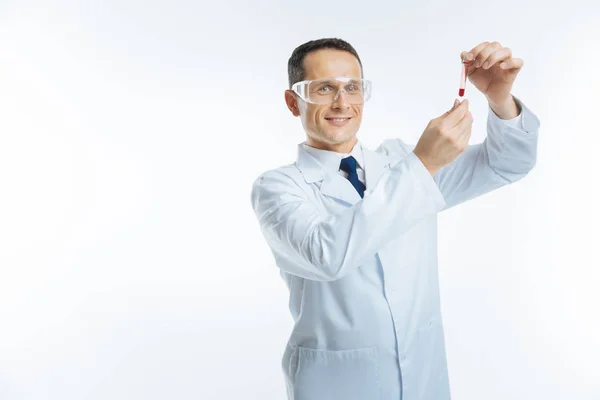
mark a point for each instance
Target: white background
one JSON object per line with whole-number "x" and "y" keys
{"x": 131, "y": 263}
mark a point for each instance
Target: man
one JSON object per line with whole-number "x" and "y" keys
{"x": 354, "y": 231}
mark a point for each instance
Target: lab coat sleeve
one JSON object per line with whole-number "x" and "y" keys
{"x": 506, "y": 155}
{"x": 320, "y": 247}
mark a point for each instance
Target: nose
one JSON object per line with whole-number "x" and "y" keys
{"x": 340, "y": 100}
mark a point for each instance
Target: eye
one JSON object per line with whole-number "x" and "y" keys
{"x": 354, "y": 88}
{"x": 322, "y": 89}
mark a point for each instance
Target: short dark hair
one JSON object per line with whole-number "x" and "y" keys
{"x": 295, "y": 63}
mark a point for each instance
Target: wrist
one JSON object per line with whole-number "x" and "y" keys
{"x": 428, "y": 166}
{"x": 507, "y": 108}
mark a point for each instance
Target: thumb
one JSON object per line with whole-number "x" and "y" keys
{"x": 456, "y": 102}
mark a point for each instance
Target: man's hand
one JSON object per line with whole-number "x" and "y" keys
{"x": 492, "y": 70}
{"x": 445, "y": 137}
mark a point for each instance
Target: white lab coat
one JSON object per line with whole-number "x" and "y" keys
{"x": 362, "y": 273}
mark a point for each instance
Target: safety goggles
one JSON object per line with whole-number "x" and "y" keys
{"x": 327, "y": 90}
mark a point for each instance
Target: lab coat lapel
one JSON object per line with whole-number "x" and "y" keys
{"x": 375, "y": 165}
{"x": 335, "y": 185}
{"x": 332, "y": 184}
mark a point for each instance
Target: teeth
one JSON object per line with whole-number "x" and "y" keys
{"x": 338, "y": 119}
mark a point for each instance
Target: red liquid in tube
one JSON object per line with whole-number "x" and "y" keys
{"x": 463, "y": 78}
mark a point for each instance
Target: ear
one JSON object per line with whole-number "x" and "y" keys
{"x": 292, "y": 102}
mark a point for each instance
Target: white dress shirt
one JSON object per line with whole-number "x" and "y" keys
{"x": 331, "y": 160}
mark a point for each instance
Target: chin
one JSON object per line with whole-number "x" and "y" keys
{"x": 333, "y": 138}
{"x": 338, "y": 140}
{"x": 343, "y": 137}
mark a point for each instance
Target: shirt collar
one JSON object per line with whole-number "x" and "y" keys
{"x": 331, "y": 159}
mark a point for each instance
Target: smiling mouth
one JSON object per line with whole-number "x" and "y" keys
{"x": 338, "y": 119}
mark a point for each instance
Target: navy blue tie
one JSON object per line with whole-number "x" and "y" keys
{"x": 348, "y": 165}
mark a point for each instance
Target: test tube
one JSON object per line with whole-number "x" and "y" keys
{"x": 463, "y": 77}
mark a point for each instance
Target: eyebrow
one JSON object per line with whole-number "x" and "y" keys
{"x": 326, "y": 82}
{"x": 330, "y": 81}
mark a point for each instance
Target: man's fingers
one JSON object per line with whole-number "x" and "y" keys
{"x": 456, "y": 102}
{"x": 465, "y": 121}
{"x": 477, "y": 49}
{"x": 466, "y": 56}
{"x": 464, "y": 128}
{"x": 456, "y": 114}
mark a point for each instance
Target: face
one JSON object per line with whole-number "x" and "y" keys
{"x": 321, "y": 131}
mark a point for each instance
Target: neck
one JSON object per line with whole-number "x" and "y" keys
{"x": 344, "y": 147}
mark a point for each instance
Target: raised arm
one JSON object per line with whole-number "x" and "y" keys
{"x": 307, "y": 244}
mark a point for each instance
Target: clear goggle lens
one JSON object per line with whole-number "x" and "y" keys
{"x": 327, "y": 90}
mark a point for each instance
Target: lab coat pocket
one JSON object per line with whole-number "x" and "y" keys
{"x": 337, "y": 374}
